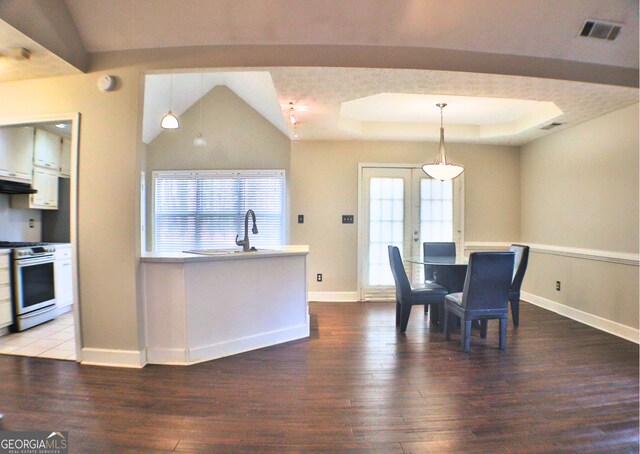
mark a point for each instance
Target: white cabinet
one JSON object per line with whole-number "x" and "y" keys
{"x": 16, "y": 153}
{"x": 5, "y": 291}
{"x": 46, "y": 150}
{"x": 45, "y": 181}
{"x": 63, "y": 278}
{"x": 65, "y": 158}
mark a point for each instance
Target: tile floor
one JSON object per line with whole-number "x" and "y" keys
{"x": 54, "y": 339}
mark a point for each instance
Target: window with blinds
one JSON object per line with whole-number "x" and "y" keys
{"x": 206, "y": 209}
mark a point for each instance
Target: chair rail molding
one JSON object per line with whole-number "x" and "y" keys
{"x": 622, "y": 258}
{"x": 617, "y": 329}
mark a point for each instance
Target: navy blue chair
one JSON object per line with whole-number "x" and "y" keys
{"x": 406, "y": 296}
{"x": 437, "y": 251}
{"x": 520, "y": 266}
{"x": 485, "y": 296}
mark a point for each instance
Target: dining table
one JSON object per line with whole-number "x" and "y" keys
{"x": 448, "y": 272}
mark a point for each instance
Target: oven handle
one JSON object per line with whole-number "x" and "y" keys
{"x": 35, "y": 260}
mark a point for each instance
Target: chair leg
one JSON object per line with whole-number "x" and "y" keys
{"x": 503, "y": 333}
{"x": 483, "y": 328}
{"x": 397, "y": 313}
{"x": 426, "y": 308}
{"x": 447, "y": 327}
{"x": 515, "y": 312}
{"x": 405, "y": 312}
{"x": 434, "y": 310}
{"x": 465, "y": 334}
{"x": 441, "y": 313}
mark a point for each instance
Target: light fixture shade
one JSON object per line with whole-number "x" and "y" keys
{"x": 199, "y": 141}
{"x": 442, "y": 171}
{"x": 170, "y": 121}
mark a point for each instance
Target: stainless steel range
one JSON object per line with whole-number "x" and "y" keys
{"x": 34, "y": 298}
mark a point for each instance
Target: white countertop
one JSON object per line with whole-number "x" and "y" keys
{"x": 183, "y": 257}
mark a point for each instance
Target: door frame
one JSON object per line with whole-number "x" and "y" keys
{"x": 74, "y": 118}
{"x": 361, "y": 205}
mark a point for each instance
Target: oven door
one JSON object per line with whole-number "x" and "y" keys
{"x": 34, "y": 284}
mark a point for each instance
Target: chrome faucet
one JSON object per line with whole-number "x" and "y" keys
{"x": 245, "y": 242}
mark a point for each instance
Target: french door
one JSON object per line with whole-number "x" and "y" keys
{"x": 403, "y": 207}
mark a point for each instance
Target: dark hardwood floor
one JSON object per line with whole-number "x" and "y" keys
{"x": 355, "y": 385}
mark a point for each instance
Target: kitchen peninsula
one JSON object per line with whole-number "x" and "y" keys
{"x": 200, "y": 307}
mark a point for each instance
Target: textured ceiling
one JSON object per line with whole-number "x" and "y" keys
{"x": 318, "y": 94}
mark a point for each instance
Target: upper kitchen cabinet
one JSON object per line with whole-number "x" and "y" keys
{"x": 65, "y": 158}
{"x": 16, "y": 153}
{"x": 46, "y": 151}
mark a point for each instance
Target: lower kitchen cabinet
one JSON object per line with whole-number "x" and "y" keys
{"x": 63, "y": 279}
{"x": 5, "y": 292}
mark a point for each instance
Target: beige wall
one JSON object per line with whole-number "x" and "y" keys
{"x": 324, "y": 185}
{"x": 580, "y": 190}
{"x": 237, "y": 137}
{"x": 108, "y": 173}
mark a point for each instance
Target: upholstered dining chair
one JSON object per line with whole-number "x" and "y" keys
{"x": 407, "y": 296}
{"x": 519, "y": 267}
{"x": 485, "y": 295}
{"x": 437, "y": 250}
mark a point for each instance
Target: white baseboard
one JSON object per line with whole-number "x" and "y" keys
{"x": 187, "y": 357}
{"x": 114, "y": 358}
{"x": 617, "y": 329}
{"x": 328, "y": 297}
{"x": 245, "y": 344}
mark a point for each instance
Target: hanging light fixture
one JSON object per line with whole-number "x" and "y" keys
{"x": 292, "y": 114}
{"x": 170, "y": 121}
{"x": 199, "y": 140}
{"x": 440, "y": 169}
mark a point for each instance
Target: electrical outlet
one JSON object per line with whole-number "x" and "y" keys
{"x": 558, "y": 286}
{"x": 301, "y": 219}
{"x": 347, "y": 219}
{"x": 319, "y": 277}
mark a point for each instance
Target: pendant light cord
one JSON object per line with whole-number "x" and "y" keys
{"x": 200, "y": 106}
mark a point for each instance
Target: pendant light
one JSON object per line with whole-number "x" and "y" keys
{"x": 170, "y": 121}
{"x": 199, "y": 140}
{"x": 292, "y": 114}
{"x": 440, "y": 169}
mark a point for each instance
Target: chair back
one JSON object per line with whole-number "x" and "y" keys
{"x": 403, "y": 286}
{"x": 521, "y": 253}
{"x": 488, "y": 280}
{"x": 437, "y": 251}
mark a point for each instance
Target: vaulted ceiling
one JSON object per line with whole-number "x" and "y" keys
{"x": 518, "y": 38}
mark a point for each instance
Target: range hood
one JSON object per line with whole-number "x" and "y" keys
{"x": 13, "y": 187}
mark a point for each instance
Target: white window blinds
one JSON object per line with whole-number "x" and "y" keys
{"x": 206, "y": 209}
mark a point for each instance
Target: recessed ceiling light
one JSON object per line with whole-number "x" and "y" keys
{"x": 61, "y": 125}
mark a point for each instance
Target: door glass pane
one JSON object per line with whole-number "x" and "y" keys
{"x": 386, "y": 226}
{"x": 436, "y": 210}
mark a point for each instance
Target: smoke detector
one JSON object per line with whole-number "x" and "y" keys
{"x": 598, "y": 29}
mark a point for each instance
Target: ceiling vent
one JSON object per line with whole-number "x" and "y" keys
{"x": 600, "y": 30}
{"x": 552, "y": 125}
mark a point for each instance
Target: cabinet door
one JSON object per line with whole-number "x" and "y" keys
{"x": 47, "y": 150}
{"x": 5, "y": 292}
{"x": 63, "y": 282}
{"x": 46, "y": 183}
{"x": 16, "y": 152}
{"x": 65, "y": 158}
